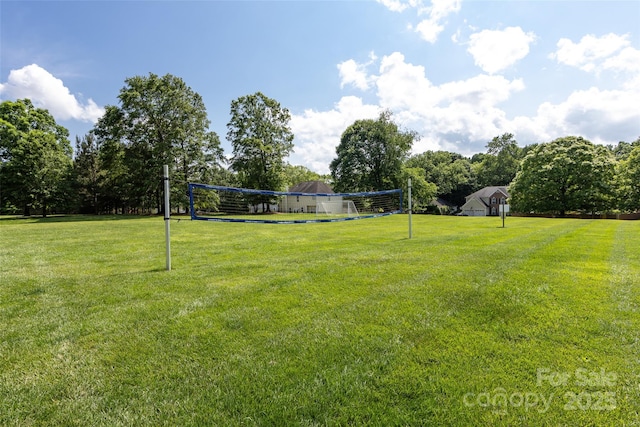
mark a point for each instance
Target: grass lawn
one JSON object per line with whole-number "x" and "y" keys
{"x": 320, "y": 324}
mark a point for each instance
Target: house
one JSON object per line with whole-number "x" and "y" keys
{"x": 486, "y": 202}
{"x": 300, "y": 200}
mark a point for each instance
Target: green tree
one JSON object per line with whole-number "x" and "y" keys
{"x": 35, "y": 158}
{"x": 501, "y": 162}
{"x": 422, "y": 191}
{"x": 114, "y": 182}
{"x": 160, "y": 121}
{"x": 628, "y": 174}
{"x": 87, "y": 172}
{"x": 261, "y": 139}
{"x": 370, "y": 155}
{"x": 600, "y": 194}
{"x": 622, "y": 150}
{"x": 450, "y": 172}
{"x": 297, "y": 174}
{"x": 567, "y": 174}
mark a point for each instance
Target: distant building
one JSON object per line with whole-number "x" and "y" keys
{"x": 485, "y": 202}
{"x": 301, "y": 202}
{"x": 311, "y": 187}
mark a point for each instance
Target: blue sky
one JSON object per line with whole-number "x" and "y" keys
{"x": 457, "y": 72}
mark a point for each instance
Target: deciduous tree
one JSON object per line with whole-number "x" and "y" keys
{"x": 261, "y": 139}
{"x": 160, "y": 121}
{"x": 501, "y": 162}
{"x": 87, "y": 173}
{"x": 629, "y": 181}
{"x": 450, "y": 172}
{"x": 370, "y": 155}
{"x": 297, "y": 174}
{"x": 35, "y": 157}
{"x": 567, "y": 174}
{"x": 422, "y": 191}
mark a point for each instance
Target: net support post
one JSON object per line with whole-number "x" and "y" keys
{"x": 167, "y": 217}
{"x": 409, "y": 188}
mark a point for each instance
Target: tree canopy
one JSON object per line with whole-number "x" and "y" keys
{"x": 297, "y": 174}
{"x": 422, "y": 191}
{"x": 567, "y": 174}
{"x": 35, "y": 158}
{"x": 450, "y": 172}
{"x": 160, "y": 121}
{"x": 261, "y": 139}
{"x": 501, "y": 162}
{"x": 370, "y": 155}
{"x": 629, "y": 181}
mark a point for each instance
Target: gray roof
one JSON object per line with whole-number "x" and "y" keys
{"x": 488, "y": 192}
{"x": 311, "y": 187}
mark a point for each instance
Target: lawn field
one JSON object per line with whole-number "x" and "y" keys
{"x": 350, "y": 323}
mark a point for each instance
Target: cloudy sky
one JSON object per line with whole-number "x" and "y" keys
{"x": 457, "y": 72}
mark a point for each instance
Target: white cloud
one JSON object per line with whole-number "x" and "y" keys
{"x": 590, "y": 51}
{"x": 602, "y": 116}
{"x": 403, "y": 86}
{"x": 444, "y": 115}
{"x": 450, "y": 113}
{"x": 497, "y": 50}
{"x": 462, "y": 115}
{"x": 455, "y": 37}
{"x": 352, "y": 73}
{"x": 318, "y": 132}
{"x": 627, "y": 60}
{"x": 482, "y": 90}
{"x": 429, "y": 29}
{"x": 48, "y": 92}
{"x": 395, "y": 5}
{"x": 438, "y": 10}
{"x": 610, "y": 52}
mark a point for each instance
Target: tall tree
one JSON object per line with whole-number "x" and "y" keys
{"x": 261, "y": 139}
{"x": 500, "y": 165}
{"x": 160, "y": 121}
{"x": 35, "y": 156}
{"x": 115, "y": 186}
{"x": 87, "y": 172}
{"x": 629, "y": 181}
{"x": 567, "y": 174}
{"x": 370, "y": 155}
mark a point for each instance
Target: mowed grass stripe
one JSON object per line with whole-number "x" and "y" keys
{"x": 312, "y": 324}
{"x": 622, "y": 323}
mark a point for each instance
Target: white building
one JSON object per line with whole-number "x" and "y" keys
{"x": 301, "y": 201}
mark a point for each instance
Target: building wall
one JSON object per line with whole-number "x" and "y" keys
{"x": 494, "y": 203}
{"x": 474, "y": 207}
{"x": 306, "y": 204}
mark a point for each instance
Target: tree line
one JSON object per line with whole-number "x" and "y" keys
{"x": 117, "y": 166}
